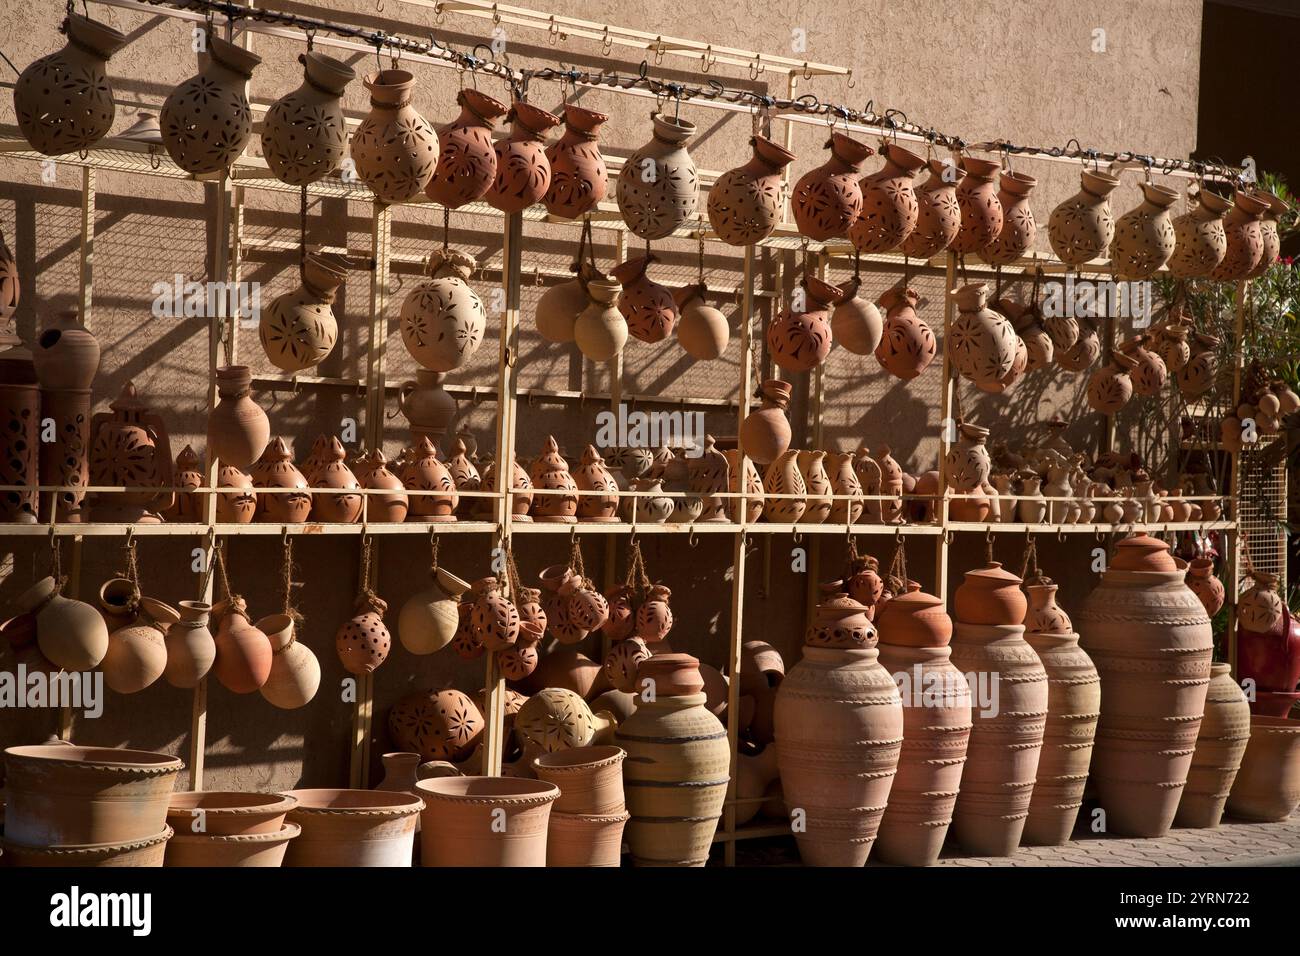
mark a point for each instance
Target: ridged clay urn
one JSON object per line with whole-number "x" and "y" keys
{"x": 523, "y": 173}
{"x": 765, "y": 432}
{"x": 579, "y": 178}
{"x": 658, "y": 186}
{"x": 702, "y": 330}
{"x": 981, "y": 208}
{"x": 1111, "y": 386}
{"x": 1268, "y": 230}
{"x": 129, "y": 447}
{"x": 600, "y": 329}
{"x": 799, "y": 338}
{"x": 1081, "y": 228}
{"x": 238, "y": 429}
{"x": 744, "y": 203}
{"x": 206, "y": 121}
{"x": 983, "y": 341}
{"x": 291, "y": 506}
{"x": 63, "y": 101}
{"x": 856, "y": 323}
{"x": 889, "y": 206}
{"x": 443, "y": 319}
{"x": 363, "y": 641}
{"x": 395, "y": 150}
{"x": 938, "y": 217}
{"x": 827, "y": 200}
{"x": 467, "y": 162}
{"x": 1200, "y": 239}
{"x": 550, "y": 472}
{"x": 243, "y": 661}
{"x": 191, "y": 649}
{"x": 305, "y": 133}
{"x": 1267, "y": 787}
{"x": 1245, "y": 239}
{"x": 71, "y": 634}
{"x": 1019, "y": 228}
{"x": 648, "y": 307}
{"x": 1144, "y": 236}
{"x": 298, "y": 329}
{"x": 1220, "y": 746}
{"x": 295, "y": 669}
{"x": 907, "y": 345}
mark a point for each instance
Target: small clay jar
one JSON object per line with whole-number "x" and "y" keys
{"x": 784, "y": 478}
{"x": 494, "y": 618}
{"x": 467, "y": 163}
{"x": 702, "y": 330}
{"x": 443, "y": 319}
{"x": 550, "y": 472}
{"x": 938, "y": 215}
{"x": 393, "y": 505}
{"x": 907, "y": 345}
{"x": 363, "y": 641}
{"x": 238, "y": 429}
{"x": 1019, "y": 229}
{"x": 187, "y": 474}
{"x": 968, "y": 461}
{"x": 981, "y": 209}
{"x": 765, "y": 432}
{"x": 343, "y": 507}
{"x": 1144, "y": 236}
{"x": 1081, "y": 228}
{"x": 600, "y": 329}
{"x": 191, "y": 649}
{"x": 658, "y": 186}
{"x": 889, "y": 206}
{"x": 1149, "y": 373}
{"x": 428, "y": 407}
{"x": 856, "y": 323}
{"x": 282, "y": 508}
{"x": 648, "y": 307}
{"x": 597, "y": 489}
{"x": 424, "y": 472}
{"x": 1200, "y": 239}
{"x": 827, "y": 200}
{"x": 305, "y": 133}
{"x": 817, "y": 486}
{"x": 1111, "y": 387}
{"x": 298, "y": 329}
{"x": 983, "y": 342}
{"x": 744, "y": 204}
{"x": 395, "y": 149}
{"x": 523, "y": 173}
{"x": 1172, "y": 344}
{"x": 206, "y": 121}
{"x": 799, "y": 339}
{"x": 1268, "y": 230}
{"x": 579, "y": 179}
{"x": 1245, "y": 238}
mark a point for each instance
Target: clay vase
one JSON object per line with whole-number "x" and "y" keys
{"x": 827, "y": 200}
{"x": 799, "y": 339}
{"x": 191, "y": 649}
{"x": 938, "y": 215}
{"x": 1149, "y": 372}
{"x": 438, "y": 725}
{"x": 1144, "y": 236}
{"x": 305, "y": 133}
{"x": 1019, "y": 229}
{"x": 1081, "y": 228}
{"x": 342, "y": 508}
{"x": 206, "y": 121}
{"x": 745, "y": 203}
{"x": 1111, "y": 387}
{"x": 968, "y": 461}
{"x": 1220, "y": 746}
{"x": 765, "y": 432}
{"x": 424, "y": 472}
{"x": 353, "y": 828}
{"x": 467, "y": 163}
{"x": 559, "y": 307}
{"x": 856, "y": 323}
{"x": 784, "y": 478}
{"x": 648, "y": 307}
{"x": 523, "y": 173}
{"x": 1083, "y": 354}
{"x": 1260, "y": 607}
{"x": 579, "y": 179}
{"x": 889, "y": 206}
{"x": 129, "y": 447}
{"x": 1268, "y": 230}
{"x": 743, "y": 478}
{"x": 983, "y": 341}
{"x": 1200, "y": 239}
{"x": 485, "y": 821}
{"x": 598, "y": 491}
{"x": 20, "y": 418}
{"x": 443, "y": 319}
{"x": 1073, "y": 706}
{"x": 702, "y": 331}
{"x": 66, "y": 357}
{"x": 1245, "y": 238}
{"x": 550, "y": 472}
{"x": 1267, "y": 787}
{"x": 658, "y": 186}
{"x": 235, "y": 507}
{"x": 1151, "y": 640}
{"x": 981, "y": 209}
{"x": 844, "y": 481}
{"x": 295, "y": 670}
{"x": 907, "y": 345}
{"x": 291, "y": 507}
{"x": 298, "y": 330}
{"x": 363, "y": 641}
{"x": 71, "y": 634}
{"x": 817, "y": 486}
{"x": 600, "y": 329}
{"x": 238, "y": 429}
{"x": 243, "y": 661}
{"x": 675, "y": 776}
{"x": 395, "y": 149}
{"x": 391, "y": 506}
{"x": 891, "y": 483}
{"x": 839, "y": 732}
{"x": 427, "y": 406}
{"x": 1199, "y": 374}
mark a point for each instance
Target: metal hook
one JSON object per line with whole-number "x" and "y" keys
{"x": 807, "y": 71}
{"x": 852, "y": 82}
{"x": 756, "y": 69}
{"x": 607, "y": 43}
{"x": 691, "y": 539}
{"x": 797, "y": 536}
{"x": 707, "y": 59}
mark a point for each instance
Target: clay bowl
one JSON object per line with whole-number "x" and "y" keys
{"x": 590, "y": 778}
{"x": 227, "y": 812}
{"x": 241, "y": 849}
{"x": 146, "y": 852}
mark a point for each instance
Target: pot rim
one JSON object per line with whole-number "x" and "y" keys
{"x": 1274, "y": 725}
{"x": 86, "y": 849}
{"x": 588, "y": 819}
{"x": 512, "y": 791}
{"x": 98, "y": 758}
{"x": 561, "y": 761}
{"x": 319, "y": 800}
{"x": 259, "y": 803}
{"x": 286, "y": 832}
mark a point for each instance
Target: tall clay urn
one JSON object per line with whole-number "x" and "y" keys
{"x": 395, "y": 149}
{"x": 1220, "y": 745}
{"x": 467, "y": 163}
{"x": 304, "y": 133}
{"x": 20, "y": 415}
{"x": 238, "y": 429}
{"x": 1081, "y": 228}
{"x": 523, "y": 173}
{"x": 443, "y": 319}
{"x": 1200, "y": 240}
{"x": 889, "y": 206}
{"x": 579, "y": 178}
{"x": 1151, "y": 640}
{"x": 298, "y": 330}
{"x": 206, "y": 121}
{"x": 745, "y": 203}
{"x": 828, "y": 200}
{"x": 658, "y": 186}
{"x": 66, "y": 357}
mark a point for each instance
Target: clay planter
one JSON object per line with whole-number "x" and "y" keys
{"x": 243, "y": 661}
{"x": 765, "y": 432}
{"x": 799, "y": 339}
{"x": 1151, "y": 641}
{"x": 220, "y": 813}
{"x": 702, "y": 330}
{"x": 467, "y": 163}
{"x": 1019, "y": 229}
{"x": 600, "y": 329}
{"x": 1245, "y": 238}
{"x": 745, "y": 203}
{"x": 907, "y": 345}
{"x": 429, "y": 618}
{"x": 147, "y": 852}
{"x": 206, "y": 121}
{"x": 363, "y": 641}
{"x": 1200, "y": 240}
{"x": 443, "y": 319}
{"x": 938, "y": 217}
{"x": 254, "y": 849}
{"x": 129, "y": 447}
{"x": 1081, "y": 228}
{"x": 1144, "y": 236}
{"x": 61, "y": 795}
{"x": 353, "y": 828}
{"x": 1267, "y": 787}
{"x": 579, "y": 179}
{"x": 827, "y": 200}
{"x": 71, "y": 634}
{"x": 585, "y": 839}
{"x": 658, "y": 187}
{"x": 889, "y": 206}
{"x": 462, "y": 822}
{"x": 63, "y": 101}
{"x": 438, "y": 725}
{"x": 304, "y": 133}
{"x": 590, "y": 779}
{"x": 295, "y": 670}
{"x": 983, "y": 341}
{"x": 395, "y": 149}
{"x": 298, "y": 329}
{"x": 856, "y": 323}
{"x": 648, "y": 307}
{"x": 1220, "y": 745}
{"x": 981, "y": 209}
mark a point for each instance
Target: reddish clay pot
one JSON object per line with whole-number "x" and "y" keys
{"x": 467, "y": 163}
{"x": 523, "y": 174}
{"x": 1019, "y": 230}
{"x": 907, "y": 346}
{"x": 765, "y": 432}
{"x": 217, "y": 813}
{"x": 1111, "y": 387}
{"x": 1271, "y": 660}
{"x": 827, "y": 200}
{"x": 590, "y": 778}
{"x": 990, "y": 595}
{"x": 981, "y": 209}
{"x": 1260, "y": 608}
{"x": 254, "y": 849}
{"x": 235, "y": 507}
{"x": 363, "y": 641}
{"x": 889, "y": 206}
{"x": 244, "y": 656}
{"x": 650, "y": 309}
{"x": 585, "y": 839}
{"x": 1149, "y": 372}
{"x": 1268, "y": 232}
{"x": 438, "y": 725}
{"x": 291, "y": 506}
{"x": 799, "y": 339}
{"x": 463, "y": 824}
{"x": 353, "y": 828}
{"x": 394, "y": 504}
{"x": 579, "y": 179}
{"x": 1267, "y": 787}
{"x": 494, "y": 618}
{"x": 1220, "y": 746}
{"x": 342, "y": 508}
{"x": 939, "y": 216}
{"x": 914, "y": 619}
{"x": 744, "y": 204}
{"x": 1245, "y": 238}
{"x": 298, "y": 330}
{"x": 1206, "y": 585}
{"x": 145, "y": 852}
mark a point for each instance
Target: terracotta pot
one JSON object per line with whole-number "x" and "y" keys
{"x": 136, "y": 656}
{"x": 279, "y": 472}
{"x": 1083, "y": 354}
{"x": 20, "y": 417}
{"x": 1260, "y": 608}
{"x": 1220, "y": 745}
{"x": 395, "y": 149}
{"x": 1081, "y": 228}
{"x": 550, "y": 472}
{"x": 295, "y": 670}
{"x": 523, "y": 173}
{"x": 1149, "y": 372}
{"x": 658, "y": 187}
{"x": 983, "y": 342}
{"x": 1200, "y": 239}
{"x": 990, "y": 595}
{"x": 590, "y": 779}
{"x": 765, "y": 432}
{"x": 1201, "y": 371}
{"x": 844, "y": 481}
{"x": 63, "y": 101}
{"x": 298, "y": 330}
{"x": 1110, "y": 387}
{"x": 342, "y": 508}
{"x": 654, "y": 618}
{"x": 1019, "y": 229}
{"x": 238, "y": 507}
{"x": 827, "y": 200}
{"x": 1268, "y": 230}
{"x": 1144, "y": 236}
{"x": 243, "y": 661}
{"x": 1205, "y": 585}
{"x": 938, "y": 215}
{"x": 485, "y": 821}
{"x": 71, "y": 634}
{"x": 745, "y": 203}
{"x": 569, "y": 669}
{"x": 427, "y": 406}
{"x": 980, "y": 205}
{"x": 304, "y": 133}
{"x": 238, "y": 429}
{"x": 353, "y": 828}
{"x": 494, "y": 617}
{"x": 424, "y": 472}
{"x": 556, "y": 718}
{"x": 579, "y": 179}
{"x": 467, "y": 163}
{"x": 129, "y": 447}
{"x": 558, "y": 309}
{"x": 11, "y": 285}
{"x": 429, "y": 618}
{"x": 799, "y": 339}
{"x": 363, "y": 641}
{"x": 856, "y": 323}
{"x": 66, "y": 355}
{"x": 1267, "y": 787}
{"x": 373, "y": 474}
{"x": 968, "y": 461}
{"x": 889, "y": 206}
{"x": 224, "y": 813}
{"x": 206, "y": 121}
{"x": 133, "y": 853}
{"x": 583, "y": 839}
{"x": 1272, "y": 658}
{"x": 784, "y": 478}
{"x": 648, "y": 307}
{"x": 891, "y": 483}
{"x": 438, "y": 725}
{"x": 1245, "y": 238}
{"x": 742, "y": 472}
{"x": 907, "y": 346}
{"x": 256, "y": 849}
{"x": 443, "y": 319}
{"x": 187, "y": 473}
{"x": 600, "y": 329}
{"x": 817, "y": 486}
{"x": 702, "y": 331}
{"x": 63, "y": 795}
{"x": 190, "y": 647}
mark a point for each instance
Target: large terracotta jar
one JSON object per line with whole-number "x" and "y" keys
{"x": 129, "y": 447}
{"x": 20, "y": 415}
{"x": 1200, "y": 240}
{"x": 600, "y": 329}
{"x": 550, "y": 472}
{"x": 1245, "y": 239}
{"x": 1111, "y": 386}
{"x": 243, "y": 661}
{"x": 206, "y": 121}
{"x": 298, "y": 329}
{"x": 676, "y": 773}
{"x": 839, "y": 732}
{"x": 191, "y": 649}
{"x": 395, "y": 149}
{"x": 238, "y": 429}
{"x": 1268, "y": 232}
{"x": 702, "y": 331}
{"x": 827, "y": 200}
{"x": 745, "y": 203}
{"x": 485, "y": 821}
{"x": 1144, "y": 236}
{"x": 424, "y": 472}
{"x": 1267, "y": 787}
{"x": 889, "y": 206}
{"x": 784, "y": 478}
{"x": 765, "y": 432}
{"x": 427, "y": 406}
{"x": 907, "y": 345}
{"x": 1151, "y": 640}
{"x": 467, "y": 163}
{"x": 1220, "y": 745}
{"x": 292, "y": 507}
{"x": 1081, "y": 228}
{"x": 1073, "y": 706}
{"x": 1006, "y": 739}
{"x": 523, "y": 173}
{"x": 443, "y": 319}
{"x": 799, "y": 339}
{"x": 983, "y": 341}
{"x": 71, "y": 634}
{"x": 304, "y": 133}
{"x": 1019, "y": 228}
{"x": 350, "y": 828}
{"x": 579, "y": 179}
{"x": 938, "y": 217}
{"x": 981, "y": 209}
{"x": 63, "y": 101}
{"x": 66, "y": 356}
{"x": 856, "y": 323}
{"x": 658, "y": 187}
{"x": 648, "y": 307}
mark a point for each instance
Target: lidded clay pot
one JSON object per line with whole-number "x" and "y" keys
{"x": 395, "y": 149}
{"x": 424, "y": 472}
{"x": 1144, "y": 236}
{"x": 280, "y": 472}
{"x": 579, "y": 179}
{"x": 981, "y": 209}
{"x": 1019, "y": 228}
{"x": 376, "y": 476}
{"x": 907, "y": 345}
{"x": 800, "y": 337}
{"x": 523, "y": 173}
{"x": 889, "y": 206}
{"x": 1245, "y": 239}
{"x": 298, "y": 330}
{"x": 598, "y": 491}
{"x": 827, "y": 200}
{"x": 305, "y": 133}
{"x": 1081, "y": 228}
{"x": 600, "y": 329}
{"x": 648, "y": 307}
{"x": 745, "y": 203}
{"x": 702, "y": 330}
{"x": 467, "y": 163}
{"x": 658, "y": 186}
{"x": 206, "y": 121}
{"x": 345, "y": 506}
{"x": 235, "y": 507}
{"x": 983, "y": 341}
{"x": 443, "y": 319}
{"x": 938, "y": 215}
{"x": 856, "y": 323}
{"x": 1200, "y": 239}
{"x": 990, "y": 595}
{"x": 238, "y": 429}
{"x": 551, "y": 472}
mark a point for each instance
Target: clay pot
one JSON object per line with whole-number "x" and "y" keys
{"x": 136, "y": 656}
{"x": 353, "y": 828}
{"x": 1206, "y": 585}
{"x": 817, "y": 486}
{"x": 342, "y": 508}
{"x": 1199, "y": 374}
{"x": 654, "y": 618}
{"x": 1081, "y": 228}
{"x": 557, "y": 718}
{"x": 648, "y": 307}
{"x": 598, "y": 491}
{"x": 63, "y": 101}
{"x": 279, "y": 472}
{"x": 968, "y": 461}
{"x": 187, "y": 473}
{"x": 258, "y": 849}
{"x": 20, "y": 418}
{"x": 743, "y": 478}
{"x": 206, "y": 121}
{"x": 373, "y": 474}
{"x": 658, "y": 187}
{"x": 702, "y": 330}
{"x": 600, "y": 329}
{"x": 523, "y": 173}
{"x": 1110, "y": 387}
{"x": 569, "y": 669}
{"x": 990, "y": 595}
{"x": 71, "y": 634}
{"x": 429, "y": 618}
{"x": 363, "y": 641}
{"x": 745, "y": 203}
{"x": 11, "y": 285}
{"x": 427, "y": 406}
{"x": 240, "y": 506}
{"x": 1268, "y": 230}
{"x": 425, "y": 473}
{"x": 856, "y": 323}
{"x": 550, "y": 472}
{"x": 1271, "y": 659}
{"x": 799, "y": 339}
{"x": 827, "y": 200}
{"x": 66, "y": 357}
{"x": 784, "y": 478}
{"x": 1260, "y": 608}
{"x": 907, "y": 346}
{"x": 1149, "y": 372}
{"x": 238, "y": 429}
{"x": 494, "y": 618}
{"x": 590, "y": 779}
{"x": 295, "y": 670}
{"x": 191, "y": 649}
{"x": 243, "y": 661}
{"x": 129, "y": 447}
{"x": 622, "y": 662}
{"x": 765, "y": 432}
{"x": 584, "y": 839}
{"x": 62, "y": 795}
{"x": 146, "y": 852}
{"x": 485, "y": 821}
{"x": 1200, "y": 239}
{"x": 1144, "y": 236}
{"x": 304, "y": 133}
{"x": 225, "y": 813}
{"x": 1019, "y": 229}
{"x": 938, "y": 216}
{"x": 1083, "y": 354}
{"x": 844, "y": 481}
{"x": 1245, "y": 238}
{"x": 467, "y": 163}
{"x": 443, "y": 319}
{"x": 558, "y": 308}
{"x": 889, "y": 206}
{"x": 395, "y": 149}
{"x": 1267, "y": 787}
{"x": 983, "y": 342}
{"x": 579, "y": 179}
{"x": 438, "y": 725}
{"x": 298, "y": 330}
{"x": 981, "y": 208}
{"x": 1220, "y": 746}
{"x": 891, "y": 483}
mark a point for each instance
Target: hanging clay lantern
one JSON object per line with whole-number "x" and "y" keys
{"x": 765, "y": 432}
{"x": 280, "y": 472}
{"x": 424, "y": 472}
{"x": 392, "y": 506}
{"x": 1268, "y": 230}
{"x": 1206, "y": 585}
{"x": 981, "y": 209}
{"x": 648, "y": 307}
{"x": 1039, "y": 347}
{"x": 236, "y": 507}
{"x": 467, "y": 163}
{"x": 600, "y": 329}
{"x": 190, "y": 646}
{"x": 520, "y": 488}
{"x": 1245, "y": 238}
{"x": 63, "y": 101}
{"x": 1149, "y": 372}
{"x": 305, "y": 133}
{"x": 856, "y": 323}
{"x": 938, "y": 215}
{"x": 622, "y": 662}
{"x": 1171, "y": 342}
{"x": 1083, "y": 354}
{"x": 658, "y": 187}
{"x": 206, "y": 121}
{"x": 129, "y": 447}
{"x": 243, "y": 661}
{"x": 784, "y": 478}
{"x": 1018, "y": 366}
{"x": 523, "y": 174}
{"x": 579, "y": 179}
{"x": 238, "y": 429}
{"x": 429, "y": 618}
{"x": 438, "y": 725}
{"x": 1200, "y": 239}
{"x": 298, "y": 329}
{"x": 1220, "y": 746}
{"x": 889, "y": 206}
{"x": 443, "y": 319}
{"x": 1199, "y": 374}
{"x": 827, "y": 200}
{"x": 1019, "y": 229}
{"x": 1144, "y": 236}
{"x": 1110, "y": 387}
{"x": 968, "y": 461}
{"x": 363, "y": 641}
{"x": 550, "y": 472}
{"x": 598, "y": 500}
{"x": 800, "y": 337}
{"x": 71, "y": 634}
{"x": 395, "y": 149}
{"x": 1081, "y": 228}
{"x": 702, "y": 330}
{"x": 295, "y": 669}
{"x": 983, "y": 342}
{"x": 745, "y": 203}
{"x": 556, "y": 718}
{"x": 494, "y": 618}
{"x": 345, "y": 506}
{"x": 907, "y": 345}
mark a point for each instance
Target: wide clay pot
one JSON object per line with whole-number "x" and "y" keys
{"x": 590, "y": 778}
{"x": 363, "y": 640}
{"x": 1268, "y": 230}
{"x": 1200, "y": 238}
{"x": 907, "y": 345}
{"x": 938, "y": 215}
{"x": 1220, "y": 746}
{"x": 745, "y": 203}
{"x": 1081, "y": 228}
{"x": 1019, "y": 229}
{"x": 206, "y": 121}
{"x": 579, "y": 179}
{"x": 395, "y": 149}
{"x": 783, "y": 478}
{"x": 353, "y": 828}
{"x": 61, "y": 795}
{"x": 1151, "y": 641}
{"x": 295, "y": 669}
{"x": 222, "y": 813}
{"x": 765, "y": 432}
{"x": 1267, "y": 787}
{"x": 63, "y": 101}
{"x": 467, "y": 162}
{"x": 294, "y": 504}
{"x": 648, "y": 307}
{"x": 427, "y": 406}
{"x": 254, "y": 849}
{"x": 238, "y": 429}
{"x": 145, "y": 852}
{"x": 799, "y": 338}
{"x": 429, "y": 618}
{"x": 981, "y": 208}
{"x": 305, "y": 133}
{"x": 243, "y": 661}
{"x": 550, "y": 472}
{"x": 438, "y": 725}
{"x": 889, "y": 206}
{"x": 856, "y": 323}
{"x": 1144, "y": 236}
{"x": 702, "y": 330}
{"x": 600, "y": 329}
{"x": 676, "y": 774}
{"x": 71, "y": 634}
{"x": 129, "y": 447}
{"x": 191, "y": 649}
{"x": 443, "y": 319}
{"x": 827, "y": 200}
{"x": 1245, "y": 239}
{"x": 1111, "y": 386}
{"x": 298, "y": 329}
{"x": 983, "y": 341}
{"x": 20, "y": 418}
{"x": 658, "y": 186}
{"x": 585, "y": 839}
{"x": 485, "y": 821}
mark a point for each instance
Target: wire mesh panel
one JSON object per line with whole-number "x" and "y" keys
{"x": 1262, "y": 509}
